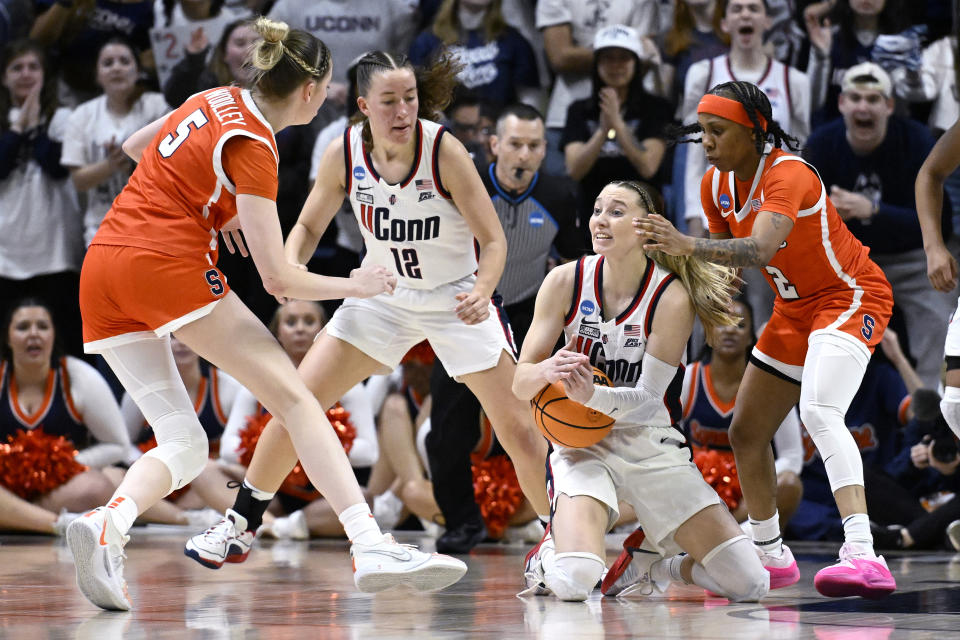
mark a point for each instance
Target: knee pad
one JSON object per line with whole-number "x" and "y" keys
{"x": 950, "y": 407}
{"x": 181, "y": 446}
{"x": 734, "y": 567}
{"x": 572, "y": 576}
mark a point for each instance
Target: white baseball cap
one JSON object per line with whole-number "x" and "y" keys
{"x": 867, "y": 76}
{"x": 620, "y": 36}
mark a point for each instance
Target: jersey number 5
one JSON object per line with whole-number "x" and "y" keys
{"x": 786, "y": 290}
{"x": 171, "y": 143}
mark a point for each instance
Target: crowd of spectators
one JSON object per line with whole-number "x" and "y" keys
{"x": 867, "y": 86}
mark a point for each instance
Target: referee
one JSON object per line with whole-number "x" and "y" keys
{"x": 538, "y": 214}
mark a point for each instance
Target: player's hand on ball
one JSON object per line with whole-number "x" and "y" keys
{"x": 560, "y": 365}
{"x": 579, "y": 384}
{"x": 472, "y": 308}
{"x": 374, "y": 280}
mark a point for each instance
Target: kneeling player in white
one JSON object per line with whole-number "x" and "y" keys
{"x": 644, "y": 309}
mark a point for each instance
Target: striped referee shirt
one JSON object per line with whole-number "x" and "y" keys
{"x": 541, "y": 217}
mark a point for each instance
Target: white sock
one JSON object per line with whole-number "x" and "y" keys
{"x": 257, "y": 493}
{"x": 766, "y": 534}
{"x": 123, "y": 511}
{"x": 856, "y": 529}
{"x": 359, "y": 524}
{"x": 671, "y": 569}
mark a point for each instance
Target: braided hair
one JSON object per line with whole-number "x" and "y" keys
{"x": 754, "y": 102}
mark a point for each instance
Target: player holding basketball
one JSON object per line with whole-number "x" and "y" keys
{"x": 769, "y": 209}
{"x": 630, "y": 315}
{"x": 420, "y": 204}
{"x": 149, "y": 272}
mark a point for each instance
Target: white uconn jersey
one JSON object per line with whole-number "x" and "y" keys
{"x": 616, "y": 346}
{"x": 412, "y": 227}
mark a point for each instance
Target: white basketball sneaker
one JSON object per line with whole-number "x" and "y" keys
{"x": 388, "y": 564}
{"x": 97, "y": 548}
{"x": 226, "y": 541}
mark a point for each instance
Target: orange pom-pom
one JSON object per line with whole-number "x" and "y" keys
{"x": 34, "y": 463}
{"x": 566, "y": 422}
{"x": 719, "y": 469}
{"x": 296, "y": 483}
{"x": 497, "y": 492}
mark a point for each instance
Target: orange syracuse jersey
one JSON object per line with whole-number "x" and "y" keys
{"x": 180, "y": 194}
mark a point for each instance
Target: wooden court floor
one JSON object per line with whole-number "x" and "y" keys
{"x": 305, "y": 590}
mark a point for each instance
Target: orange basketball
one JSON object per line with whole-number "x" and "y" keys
{"x": 566, "y": 422}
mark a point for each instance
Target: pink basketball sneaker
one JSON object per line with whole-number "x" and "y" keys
{"x": 783, "y": 569}
{"x": 858, "y": 573}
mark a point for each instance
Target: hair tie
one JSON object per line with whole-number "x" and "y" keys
{"x": 732, "y": 110}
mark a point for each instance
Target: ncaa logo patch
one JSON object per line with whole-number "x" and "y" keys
{"x": 587, "y": 307}
{"x": 359, "y": 173}
{"x": 724, "y": 200}
{"x": 536, "y": 219}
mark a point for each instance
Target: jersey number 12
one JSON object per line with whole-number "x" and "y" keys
{"x": 407, "y": 262}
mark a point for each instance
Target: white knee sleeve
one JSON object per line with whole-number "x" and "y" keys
{"x": 733, "y": 569}
{"x": 950, "y": 407}
{"x": 832, "y": 373}
{"x": 573, "y": 576}
{"x": 148, "y": 373}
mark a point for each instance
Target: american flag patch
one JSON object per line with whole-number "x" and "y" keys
{"x": 423, "y": 185}
{"x": 633, "y": 330}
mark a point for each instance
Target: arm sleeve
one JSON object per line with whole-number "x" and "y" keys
{"x": 251, "y": 167}
{"x": 620, "y": 402}
{"x": 92, "y": 397}
{"x": 244, "y": 406}
{"x": 365, "y": 449}
{"x": 789, "y": 444}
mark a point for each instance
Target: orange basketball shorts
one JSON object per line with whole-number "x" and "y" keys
{"x": 784, "y": 338}
{"x": 126, "y": 291}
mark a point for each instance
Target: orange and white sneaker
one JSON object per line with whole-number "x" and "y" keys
{"x": 227, "y": 541}
{"x": 97, "y": 548}
{"x": 858, "y": 573}
{"x": 783, "y": 569}
{"x": 389, "y": 564}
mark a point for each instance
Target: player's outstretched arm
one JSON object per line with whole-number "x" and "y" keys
{"x": 943, "y": 160}
{"x": 261, "y": 229}
{"x": 321, "y": 205}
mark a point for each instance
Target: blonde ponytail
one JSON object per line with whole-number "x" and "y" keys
{"x": 283, "y": 58}
{"x": 268, "y": 51}
{"x": 711, "y": 286}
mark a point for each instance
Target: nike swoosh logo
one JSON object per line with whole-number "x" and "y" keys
{"x": 585, "y": 321}
{"x": 403, "y": 556}
{"x": 364, "y": 188}
{"x": 103, "y": 532}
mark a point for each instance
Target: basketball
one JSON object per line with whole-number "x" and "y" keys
{"x": 569, "y": 423}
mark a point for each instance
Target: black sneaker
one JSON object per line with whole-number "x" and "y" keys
{"x": 462, "y": 538}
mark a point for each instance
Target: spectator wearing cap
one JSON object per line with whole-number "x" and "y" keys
{"x": 618, "y": 132}
{"x": 869, "y": 159}
{"x": 568, "y": 28}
